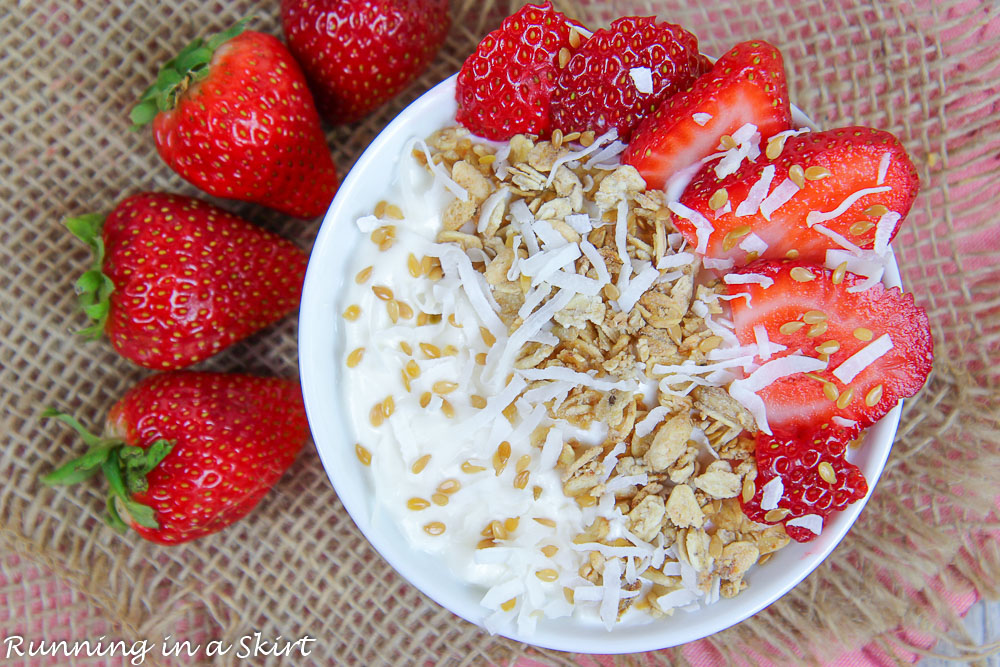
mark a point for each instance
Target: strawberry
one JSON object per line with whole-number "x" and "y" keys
{"x": 746, "y": 86}
{"x": 190, "y": 453}
{"x": 815, "y": 479}
{"x": 832, "y": 167}
{"x": 233, "y": 116}
{"x": 602, "y": 85}
{"x": 176, "y": 280}
{"x": 506, "y": 86}
{"x": 812, "y": 311}
{"x": 358, "y": 54}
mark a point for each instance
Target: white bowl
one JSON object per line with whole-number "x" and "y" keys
{"x": 320, "y": 361}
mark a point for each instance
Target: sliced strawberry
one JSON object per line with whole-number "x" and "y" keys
{"x": 815, "y": 479}
{"x": 833, "y": 167}
{"x": 505, "y": 87}
{"x": 603, "y": 85}
{"x": 805, "y": 310}
{"x": 747, "y": 85}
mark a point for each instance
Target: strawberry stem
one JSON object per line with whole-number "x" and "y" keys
{"x": 124, "y": 466}
{"x": 178, "y": 73}
{"x": 93, "y": 288}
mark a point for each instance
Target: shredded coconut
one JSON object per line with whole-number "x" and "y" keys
{"x": 757, "y": 193}
{"x": 642, "y": 77}
{"x": 780, "y": 196}
{"x": 701, "y": 118}
{"x": 883, "y": 167}
{"x": 815, "y": 217}
{"x": 811, "y": 522}
{"x": 770, "y": 494}
{"x": 748, "y": 279}
{"x": 863, "y": 358}
{"x": 884, "y": 229}
{"x": 745, "y": 391}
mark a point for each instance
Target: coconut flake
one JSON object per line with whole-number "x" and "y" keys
{"x": 703, "y": 228}
{"x": 597, "y": 261}
{"x": 496, "y": 199}
{"x": 816, "y": 217}
{"x": 883, "y": 167}
{"x": 884, "y": 229}
{"x": 642, "y": 77}
{"x": 502, "y": 592}
{"x": 612, "y": 592}
{"x": 441, "y": 174}
{"x": 867, "y": 264}
{"x": 745, "y": 391}
{"x": 763, "y": 342}
{"x": 545, "y": 263}
{"x": 843, "y": 421}
{"x": 580, "y": 222}
{"x": 551, "y": 449}
{"x": 753, "y": 243}
{"x": 622, "y": 482}
{"x": 863, "y": 358}
{"x": 811, "y": 522}
{"x": 838, "y": 238}
{"x": 780, "y": 196}
{"x": 701, "y": 118}
{"x": 368, "y": 224}
{"x": 723, "y": 264}
{"x": 748, "y": 279}
{"x": 651, "y": 420}
{"x": 564, "y": 374}
{"x": 770, "y": 494}
{"x": 599, "y": 142}
{"x": 747, "y": 140}
{"x": 674, "y": 261}
{"x": 637, "y": 287}
{"x": 575, "y": 282}
{"x": 757, "y": 194}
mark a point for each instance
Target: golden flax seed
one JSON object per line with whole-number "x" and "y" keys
{"x": 434, "y": 528}
{"x": 363, "y": 275}
{"x": 421, "y": 463}
{"x": 354, "y": 358}
{"x": 363, "y": 454}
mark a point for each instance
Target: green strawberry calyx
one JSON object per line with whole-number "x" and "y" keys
{"x": 94, "y": 287}
{"x": 177, "y": 74}
{"x": 124, "y": 466}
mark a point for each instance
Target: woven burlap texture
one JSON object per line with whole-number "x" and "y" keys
{"x": 297, "y": 565}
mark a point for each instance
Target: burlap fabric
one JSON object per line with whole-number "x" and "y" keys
{"x": 297, "y": 565}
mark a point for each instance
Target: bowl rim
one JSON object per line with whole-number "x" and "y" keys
{"x": 311, "y": 341}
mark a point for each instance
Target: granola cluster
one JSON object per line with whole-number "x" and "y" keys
{"x": 688, "y": 446}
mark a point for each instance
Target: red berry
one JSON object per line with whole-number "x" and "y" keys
{"x": 178, "y": 279}
{"x": 505, "y": 87}
{"x": 191, "y": 453}
{"x": 805, "y": 310}
{"x": 832, "y": 166}
{"x": 815, "y": 478}
{"x": 358, "y": 54}
{"x": 234, "y": 116}
{"x": 600, "y": 86}
{"x": 745, "y": 86}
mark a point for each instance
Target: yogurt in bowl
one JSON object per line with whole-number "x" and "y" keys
{"x": 479, "y": 475}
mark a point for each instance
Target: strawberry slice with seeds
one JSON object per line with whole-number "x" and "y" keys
{"x": 846, "y": 188}
{"x": 801, "y": 481}
{"x": 505, "y": 87}
{"x": 746, "y": 86}
{"x": 876, "y": 343}
{"x": 622, "y": 73}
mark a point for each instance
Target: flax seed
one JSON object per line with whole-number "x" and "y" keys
{"x": 546, "y": 522}
{"x": 792, "y": 254}
{"x": 548, "y": 574}
{"x": 874, "y": 396}
{"x": 860, "y": 227}
{"x": 470, "y": 468}
{"x": 727, "y": 142}
{"x": 814, "y": 316}
{"x": 421, "y": 463}
{"x": 406, "y": 348}
{"x": 425, "y": 399}
{"x": 816, "y": 173}
{"x": 845, "y": 398}
{"x": 487, "y": 336}
{"x": 448, "y": 409}
{"x": 797, "y": 175}
{"x": 363, "y": 454}
{"x": 521, "y": 480}
{"x": 432, "y": 351}
{"x": 776, "y": 515}
{"x": 818, "y": 329}
{"x": 788, "y": 328}
{"x": 354, "y": 358}
{"x": 510, "y": 524}
{"x": 417, "y": 504}
{"x": 550, "y": 550}
{"x": 522, "y": 463}
{"x": 394, "y": 212}
{"x": 412, "y": 368}
{"x": 352, "y": 312}
{"x": 454, "y": 322}
{"x": 439, "y": 499}
{"x": 509, "y": 604}
{"x": 587, "y": 138}
{"x": 434, "y": 528}
{"x": 449, "y": 351}
{"x": 481, "y": 359}
{"x": 444, "y": 387}
{"x": 501, "y": 457}
{"x": 718, "y": 199}
{"x": 375, "y": 416}
{"x": 801, "y": 274}
{"x": 862, "y": 333}
{"x": 830, "y": 391}
{"x": 828, "y": 347}
{"x": 749, "y": 488}
{"x": 477, "y": 401}
{"x": 827, "y": 472}
{"x": 774, "y": 147}
{"x": 839, "y": 273}
{"x": 392, "y": 308}
{"x": 405, "y": 310}
{"x": 388, "y": 406}
{"x": 382, "y": 292}
{"x": 363, "y": 275}
{"x": 876, "y": 210}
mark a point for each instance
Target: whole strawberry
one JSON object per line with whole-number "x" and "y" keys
{"x": 233, "y": 115}
{"x": 622, "y": 73}
{"x": 506, "y": 86}
{"x": 176, "y": 280}
{"x": 191, "y": 453}
{"x": 358, "y": 54}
